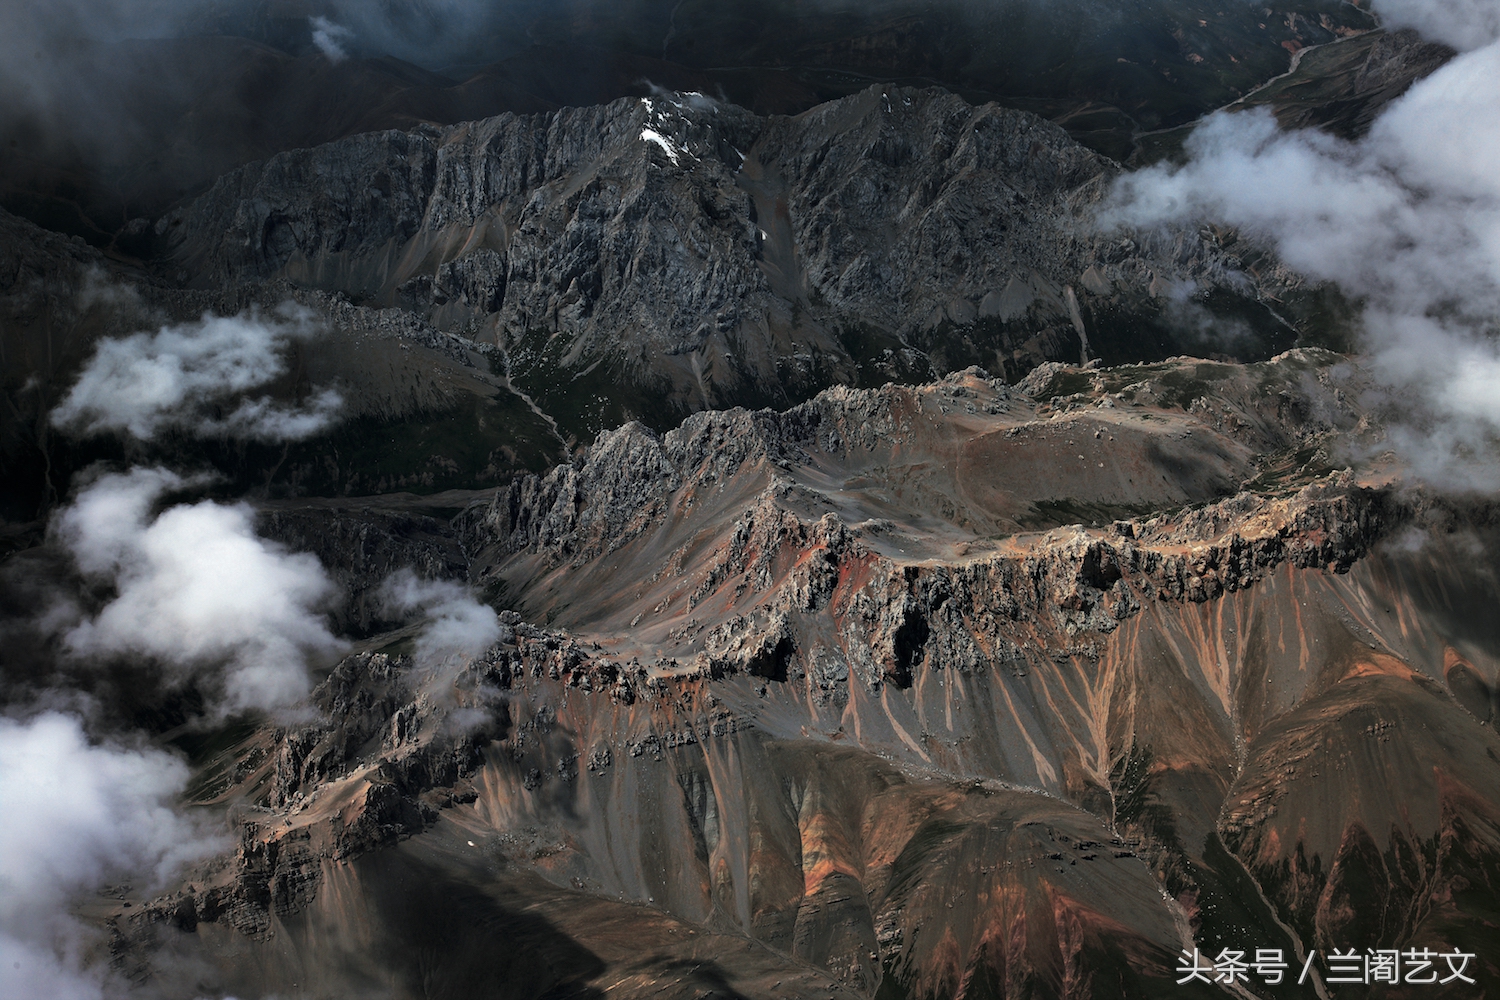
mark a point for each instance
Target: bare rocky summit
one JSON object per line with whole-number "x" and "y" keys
{"x": 657, "y": 256}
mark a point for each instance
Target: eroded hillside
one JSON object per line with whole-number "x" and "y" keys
{"x": 845, "y": 697}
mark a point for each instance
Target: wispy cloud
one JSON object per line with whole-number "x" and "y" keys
{"x": 330, "y": 38}
{"x": 1463, "y": 24}
{"x": 457, "y": 626}
{"x": 196, "y": 377}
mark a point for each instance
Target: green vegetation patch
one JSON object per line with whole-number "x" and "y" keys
{"x": 587, "y": 401}
{"x": 882, "y": 357}
{"x": 482, "y": 441}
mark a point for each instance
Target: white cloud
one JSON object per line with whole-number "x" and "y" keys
{"x": 1463, "y": 24}
{"x": 458, "y": 626}
{"x": 330, "y": 38}
{"x": 1406, "y": 220}
{"x": 76, "y": 815}
{"x": 184, "y": 376}
{"x": 197, "y": 591}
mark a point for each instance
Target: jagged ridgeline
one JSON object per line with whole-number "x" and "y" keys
{"x": 495, "y": 292}
{"x": 654, "y": 257}
{"x": 881, "y": 606}
{"x": 248, "y": 79}
{"x": 790, "y": 704}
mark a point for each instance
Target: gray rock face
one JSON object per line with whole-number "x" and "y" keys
{"x": 1397, "y": 59}
{"x": 653, "y": 257}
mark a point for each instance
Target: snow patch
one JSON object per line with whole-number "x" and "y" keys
{"x": 651, "y": 135}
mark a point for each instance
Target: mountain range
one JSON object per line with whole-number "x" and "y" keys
{"x": 741, "y": 521}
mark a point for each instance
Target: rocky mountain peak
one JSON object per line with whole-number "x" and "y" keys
{"x": 667, "y": 254}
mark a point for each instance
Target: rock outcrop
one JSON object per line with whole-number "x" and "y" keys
{"x": 659, "y": 256}
{"x": 807, "y": 682}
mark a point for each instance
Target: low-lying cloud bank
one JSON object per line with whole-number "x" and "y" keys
{"x": 197, "y": 590}
{"x": 1406, "y": 220}
{"x": 76, "y": 815}
{"x": 194, "y": 376}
